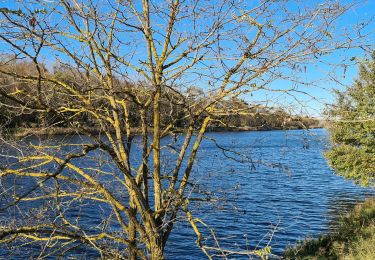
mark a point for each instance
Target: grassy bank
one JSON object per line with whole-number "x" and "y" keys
{"x": 354, "y": 238}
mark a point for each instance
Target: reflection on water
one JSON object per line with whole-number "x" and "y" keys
{"x": 339, "y": 205}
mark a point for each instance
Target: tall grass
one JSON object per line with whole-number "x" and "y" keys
{"x": 354, "y": 238}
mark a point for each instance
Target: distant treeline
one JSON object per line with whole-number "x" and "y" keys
{"x": 233, "y": 113}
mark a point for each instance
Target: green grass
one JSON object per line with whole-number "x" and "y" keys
{"x": 354, "y": 238}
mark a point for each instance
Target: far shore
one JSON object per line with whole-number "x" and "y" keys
{"x": 50, "y": 131}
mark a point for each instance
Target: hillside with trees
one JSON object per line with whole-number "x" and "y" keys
{"x": 236, "y": 113}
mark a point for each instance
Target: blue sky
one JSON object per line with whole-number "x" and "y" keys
{"x": 321, "y": 94}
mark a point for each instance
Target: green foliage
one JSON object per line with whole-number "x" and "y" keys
{"x": 354, "y": 238}
{"x": 353, "y": 128}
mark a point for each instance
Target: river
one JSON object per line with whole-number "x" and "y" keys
{"x": 287, "y": 194}
{"x": 259, "y": 188}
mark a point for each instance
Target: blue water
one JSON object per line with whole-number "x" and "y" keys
{"x": 287, "y": 194}
{"x": 265, "y": 188}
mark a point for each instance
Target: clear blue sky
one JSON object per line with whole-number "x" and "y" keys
{"x": 321, "y": 93}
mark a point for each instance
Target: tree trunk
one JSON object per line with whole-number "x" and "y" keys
{"x": 157, "y": 251}
{"x": 156, "y": 244}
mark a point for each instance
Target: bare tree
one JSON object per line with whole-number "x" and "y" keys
{"x": 130, "y": 68}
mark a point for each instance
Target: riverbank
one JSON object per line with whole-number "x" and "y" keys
{"x": 50, "y": 131}
{"x": 354, "y": 238}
